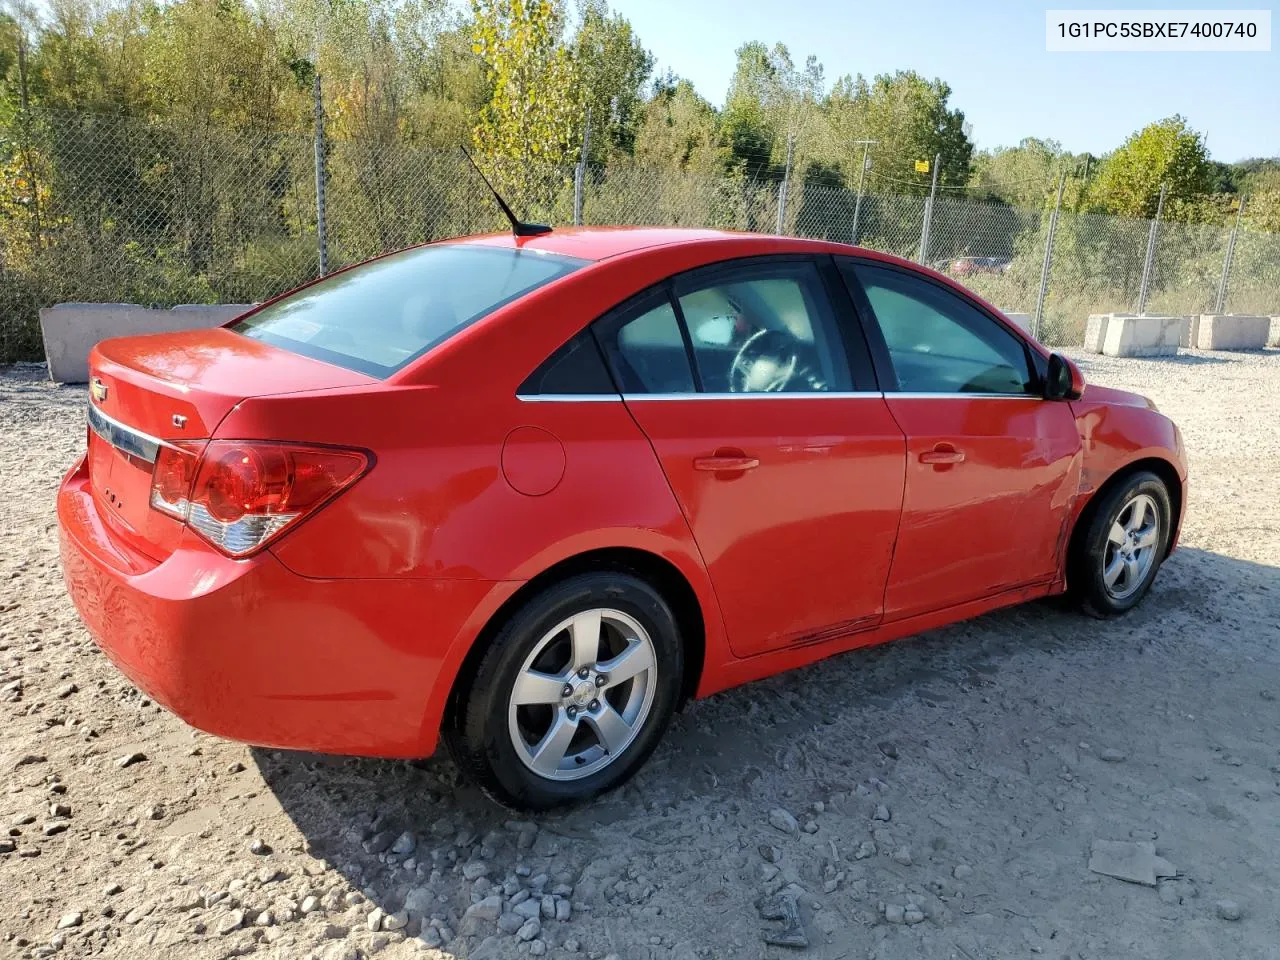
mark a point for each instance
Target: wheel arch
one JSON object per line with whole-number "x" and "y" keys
{"x": 1162, "y": 468}
{"x": 659, "y": 572}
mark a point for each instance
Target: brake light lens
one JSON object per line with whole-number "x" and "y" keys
{"x": 171, "y": 479}
{"x": 239, "y": 495}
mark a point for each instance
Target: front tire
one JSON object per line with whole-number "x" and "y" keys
{"x": 572, "y": 694}
{"x": 1120, "y": 550}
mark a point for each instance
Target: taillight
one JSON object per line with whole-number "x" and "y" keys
{"x": 240, "y": 494}
{"x": 171, "y": 479}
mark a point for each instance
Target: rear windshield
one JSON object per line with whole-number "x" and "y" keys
{"x": 377, "y": 317}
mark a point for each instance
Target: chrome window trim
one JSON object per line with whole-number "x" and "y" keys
{"x": 947, "y": 395}
{"x": 127, "y": 440}
{"x": 790, "y": 395}
{"x": 793, "y": 395}
{"x": 568, "y": 397}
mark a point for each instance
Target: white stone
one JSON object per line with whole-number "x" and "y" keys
{"x": 1273, "y": 335}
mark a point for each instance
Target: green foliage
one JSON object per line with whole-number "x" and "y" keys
{"x": 534, "y": 117}
{"x": 1023, "y": 176}
{"x": 911, "y": 119}
{"x": 772, "y": 103}
{"x": 613, "y": 66}
{"x": 679, "y": 130}
{"x": 1168, "y": 152}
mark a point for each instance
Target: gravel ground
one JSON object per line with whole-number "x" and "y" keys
{"x": 936, "y": 797}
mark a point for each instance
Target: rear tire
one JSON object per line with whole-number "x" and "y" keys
{"x": 571, "y": 695}
{"x": 1116, "y": 557}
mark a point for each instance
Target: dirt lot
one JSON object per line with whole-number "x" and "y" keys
{"x": 948, "y": 789}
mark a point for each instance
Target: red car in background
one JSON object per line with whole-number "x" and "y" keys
{"x": 530, "y": 493}
{"x": 969, "y": 266}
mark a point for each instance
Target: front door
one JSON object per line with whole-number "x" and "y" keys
{"x": 991, "y": 468}
{"x": 791, "y": 479}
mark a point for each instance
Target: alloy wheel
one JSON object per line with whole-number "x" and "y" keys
{"x": 1131, "y": 547}
{"x": 583, "y": 694}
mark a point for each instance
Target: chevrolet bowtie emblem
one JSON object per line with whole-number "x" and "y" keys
{"x": 98, "y": 389}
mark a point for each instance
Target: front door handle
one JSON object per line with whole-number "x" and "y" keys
{"x": 942, "y": 453}
{"x": 719, "y": 463}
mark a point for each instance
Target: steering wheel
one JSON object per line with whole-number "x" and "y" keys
{"x": 765, "y": 363}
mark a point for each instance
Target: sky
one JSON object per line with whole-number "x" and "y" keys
{"x": 993, "y": 56}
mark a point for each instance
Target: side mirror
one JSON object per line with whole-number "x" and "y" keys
{"x": 1064, "y": 381}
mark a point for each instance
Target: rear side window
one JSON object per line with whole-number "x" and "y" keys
{"x": 576, "y": 369}
{"x": 379, "y": 316}
{"x": 646, "y": 348}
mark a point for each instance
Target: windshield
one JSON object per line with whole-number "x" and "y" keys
{"x": 377, "y": 317}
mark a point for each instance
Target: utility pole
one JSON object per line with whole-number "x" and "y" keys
{"x": 782, "y": 187}
{"x": 1221, "y": 303}
{"x": 580, "y": 174}
{"x": 1048, "y": 257}
{"x": 928, "y": 212}
{"x": 862, "y": 176}
{"x": 1149, "y": 266}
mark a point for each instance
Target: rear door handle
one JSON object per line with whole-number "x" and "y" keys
{"x": 942, "y": 453}
{"x": 718, "y": 463}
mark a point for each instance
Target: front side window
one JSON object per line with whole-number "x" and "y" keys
{"x": 939, "y": 343}
{"x": 767, "y": 328}
{"x": 379, "y": 316}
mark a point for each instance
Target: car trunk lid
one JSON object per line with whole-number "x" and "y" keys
{"x": 175, "y": 388}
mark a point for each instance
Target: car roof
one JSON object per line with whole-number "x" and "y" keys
{"x": 601, "y": 243}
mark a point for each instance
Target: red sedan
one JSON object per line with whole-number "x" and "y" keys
{"x": 529, "y": 493}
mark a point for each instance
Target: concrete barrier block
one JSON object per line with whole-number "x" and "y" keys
{"x": 1142, "y": 336}
{"x": 1190, "y": 330}
{"x": 1273, "y": 337}
{"x": 1232, "y": 332}
{"x": 70, "y": 330}
{"x": 1021, "y": 320}
{"x": 1095, "y": 332}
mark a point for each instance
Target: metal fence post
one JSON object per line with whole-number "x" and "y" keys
{"x": 1038, "y": 320}
{"x": 928, "y": 212}
{"x": 782, "y": 187}
{"x": 580, "y": 174}
{"x": 322, "y": 233}
{"x": 1221, "y": 303}
{"x": 1149, "y": 266}
{"x": 862, "y": 175}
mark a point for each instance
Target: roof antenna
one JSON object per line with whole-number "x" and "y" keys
{"x": 518, "y": 227}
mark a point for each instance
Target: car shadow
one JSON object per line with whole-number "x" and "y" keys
{"x": 350, "y": 810}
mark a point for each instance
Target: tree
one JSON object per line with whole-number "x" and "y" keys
{"x": 772, "y": 103}
{"x": 678, "y": 129}
{"x": 1023, "y": 176}
{"x": 612, "y": 69}
{"x": 1169, "y": 153}
{"x": 911, "y": 119}
{"x": 532, "y": 122}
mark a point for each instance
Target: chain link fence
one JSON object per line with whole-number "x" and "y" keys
{"x": 115, "y": 209}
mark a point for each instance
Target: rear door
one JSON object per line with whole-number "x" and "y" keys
{"x": 991, "y": 466}
{"x": 756, "y": 390}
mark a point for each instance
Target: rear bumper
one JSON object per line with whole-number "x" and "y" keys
{"x": 247, "y": 649}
